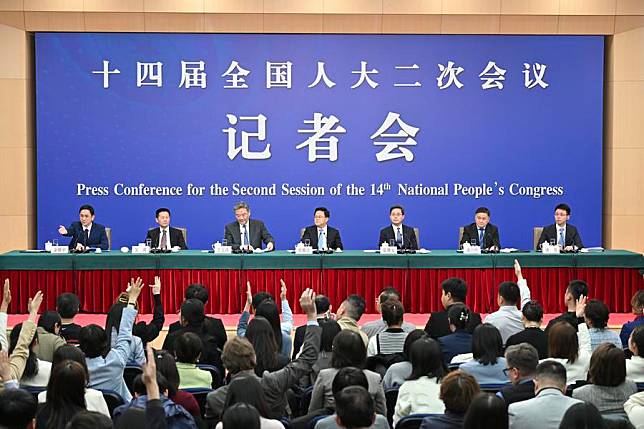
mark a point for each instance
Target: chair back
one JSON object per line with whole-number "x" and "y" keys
{"x": 108, "y": 232}
{"x": 412, "y": 421}
{"x": 200, "y": 396}
{"x": 112, "y": 399}
{"x": 493, "y": 387}
{"x": 536, "y": 233}
{"x": 417, "y": 232}
{"x": 129, "y": 374}
{"x": 217, "y": 379}
{"x": 460, "y": 236}
{"x": 184, "y": 231}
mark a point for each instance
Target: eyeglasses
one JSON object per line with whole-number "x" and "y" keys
{"x": 507, "y": 370}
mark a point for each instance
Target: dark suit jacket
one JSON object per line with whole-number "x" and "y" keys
{"x": 210, "y": 354}
{"x": 533, "y": 336}
{"x": 409, "y": 237}
{"x": 97, "y": 236}
{"x": 176, "y": 237}
{"x": 258, "y": 234}
{"x": 333, "y": 240}
{"x": 438, "y": 326}
{"x": 213, "y": 326}
{"x": 550, "y": 232}
{"x": 491, "y": 237}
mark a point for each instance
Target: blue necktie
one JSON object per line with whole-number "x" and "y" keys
{"x": 321, "y": 240}
{"x": 399, "y": 237}
{"x": 481, "y": 235}
{"x": 562, "y": 240}
{"x": 245, "y": 241}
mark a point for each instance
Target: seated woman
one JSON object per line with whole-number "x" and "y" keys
{"x": 570, "y": 350}
{"x": 487, "y": 350}
{"x": 421, "y": 392}
{"x": 262, "y": 336}
{"x": 187, "y": 350}
{"x": 36, "y": 373}
{"x": 112, "y": 324}
{"x": 65, "y": 396}
{"x": 460, "y": 340}
{"x": 635, "y": 365}
{"x": 458, "y": 388}
{"x": 330, "y": 329}
{"x": 399, "y": 372}
{"x": 247, "y": 390}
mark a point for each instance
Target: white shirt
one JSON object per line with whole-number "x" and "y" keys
{"x": 635, "y": 369}
{"x": 559, "y": 229}
{"x": 93, "y": 399}
{"x": 508, "y": 318}
{"x": 326, "y": 236}
{"x": 419, "y": 396}
{"x": 241, "y": 233}
{"x": 402, "y": 235}
{"x": 89, "y": 231}
{"x": 167, "y": 234}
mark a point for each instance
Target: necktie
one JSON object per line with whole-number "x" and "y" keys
{"x": 321, "y": 240}
{"x": 562, "y": 240}
{"x": 164, "y": 242}
{"x": 399, "y": 237}
{"x": 245, "y": 236}
{"x": 481, "y": 235}
{"x": 86, "y": 236}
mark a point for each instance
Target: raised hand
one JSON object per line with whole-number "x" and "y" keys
{"x": 282, "y": 290}
{"x": 62, "y": 230}
{"x": 6, "y": 297}
{"x": 34, "y": 305}
{"x": 135, "y": 289}
{"x": 307, "y": 302}
{"x": 156, "y": 287}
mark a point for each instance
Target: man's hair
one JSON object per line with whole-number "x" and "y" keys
{"x": 238, "y": 355}
{"x": 17, "y": 408}
{"x": 392, "y": 312}
{"x": 355, "y": 306}
{"x": 533, "y": 311}
{"x": 607, "y": 366}
{"x": 510, "y": 293}
{"x": 192, "y": 311}
{"x": 577, "y": 288}
{"x": 86, "y": 207}
{"x": 392, "y": 208}
{"x": 482, "y": 210}
{"x": 354, "y": 407}
{"x": 48, "y": 321}
{"x": 89, "y": 420}
{"x": 324, "y": 210}
{"x": 551, "y": 372}
{"x": 92, "y": 341}
{"x": 330, "y": 329}
{"x": 161, "y": 210}
{"x": 562, "y": 342}
{"x": 487, "y": 344}
{"x": 197, "y": 291}
{"x": 457, "y": 390}
{"x": 241, "y": 415}
{"x": 260, "y": 297}
{"x": 322, "y": 304}
{"x": 348, "y": 350}
{"x": 598, "y": 313}
{"x": 564, "y": 207}
{"x": 188, "y": 347}
{"x": 67, "y": 305}
{"x": 241, "y": 205}
{"x": 523, "y": 357}
{"x": 388, "y": 293}
{"x": 638, "y": 339}
{"x": 637, "y": 302}
{"x": 349, "y": 376}
{"x": 139, "y": 386}
{"x": 456, "y": 287}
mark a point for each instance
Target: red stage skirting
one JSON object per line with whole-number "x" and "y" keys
{"x": 420, "y": 288}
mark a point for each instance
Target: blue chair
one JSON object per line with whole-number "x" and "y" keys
{"x": 33, "y": 390}
{"x": 315, "y": 421}
{"x": 493, "y": 387}
{"x": 412, "y": 421}
{"x": 200, "y": 395}
{"x": 112, "y": 399}
{"x": 217, "y": 379}
{"x": 129, "y": 374}
{"x": 640, "y": 387}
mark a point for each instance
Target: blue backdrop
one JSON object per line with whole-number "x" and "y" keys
{"x": 535, "y": 142}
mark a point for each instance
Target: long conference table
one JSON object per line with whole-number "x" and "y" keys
{"x": 613, "y": 277}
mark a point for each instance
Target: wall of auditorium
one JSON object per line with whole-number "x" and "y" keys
{"x": 621, "y": 20}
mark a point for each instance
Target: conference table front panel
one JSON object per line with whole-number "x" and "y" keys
{"x": 613, "y": 276}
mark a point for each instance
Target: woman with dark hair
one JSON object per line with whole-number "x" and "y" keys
{"x": 458, "y": 388}
{"x": 421, "y": 392}
{"x": 330, "y": 329}
{"x": 247, "y": 390}
{"x": 112, "y": 323}
{"x": 607, "y": 372}
{"x": 187, "y": 350}
{"x": 486, "y": 411}
{"x": 570, "y": 349}
{"x": 90, "y": 420}
{"x": 460, "y": 340}
{"x": 399, "y": 372}
{"x": 167, "y": 366}
{"x": 241, "y": 416}
{"x": 582, "y": 416}
{"x": 487, "y": 350}
{"x": 65, "y": 396}
{"x": 261, "y": 335}
{"x": 49, "y": 338}
{"x": 94, "y": 399}
{"x": 348, "y": 350}
{"x": 36, "y": 373}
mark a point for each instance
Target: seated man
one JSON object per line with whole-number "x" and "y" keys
{"x": 85, "y": 233}
{"x": 532, "y": 334}
{"x": 403, "y": 235}
{"x": 521, "y": 361}
{"x": 547, "y": 408}
{"x": 354, "y": 404}
{"x": 165, "y": 237}
{"x": 561, "y": 232}
{"x": 246, "y": 233}
{"x": 68, "y": 306}
{"x": 349, "y": 312}
{"x": 377, "y": 326}
{"x": 482, "y": 231}
{"x": 453, "y": 291}
{"x": 323, "y": 310}
{"x": 17, "y": 409}
{"x": 321, "y": 235}
{"x": 575, "y": 289}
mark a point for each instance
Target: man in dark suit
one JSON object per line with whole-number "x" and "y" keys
{"x": 323, "y": 310}
{"x": 247, "y": 233}
{"x": 85, "y": 233}
{"x": 563, "y": 234}
{"x": 481, "y": 230}
{"x": 321, "y": 235}
{"x": 165, "y": 237}
{"x": 454, "y": 291}
{"x": 403, "y": 235}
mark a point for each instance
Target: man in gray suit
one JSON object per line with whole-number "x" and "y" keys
{"x": 247, "y": 233}
{"x": 547, "y": 408}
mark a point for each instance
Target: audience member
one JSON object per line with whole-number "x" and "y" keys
{"x": 262, "y": 336}
{"x": 377, "y": 326}
{"x": 574, "y": 290}
{"x": 453, "y": 291}
{"x": 583, "y": 416}
{"x": 637, "y": 304}
{"x": 399, "y": 372}
{"x": 348, "y": 350}
{"x": 187, "y": 349}
{"x": 521, "y": 361}
{"x": 548, "y": 407}
{"x": 36, "y": 372}
{"x": 355, "y": 408}
{"x": 392, "y": 339}
{"x": 486, "y": 411}
{"x": 90, "y": 420}
{"x": 459, "y": 341}
{"x": 532, "y": 316}
{"x": 241, "y": 416}
{"x": 17, "y": 409}
{"x": 247, "y": 390}
{"x": 634, "y": 409}
{"x": 570, "y": 350}
{"x": 150, "y": 331}
{"x": 68, "y": 306}
{"x": 458, "y": 388}
{"x": 489, "y": 364}
{"x": 596, "y": 317}
{"x": 167, "y": 366}
{"x": 4, "y": 307}
{"x": 136, "y": 356}
{"x": 330, "y": 329}
{"x": 48, "y": 333}
{"x": 323, "y": 308}
{"x": 349, "y": 312}
{"x": 421, "y": 392}
{"x": 609, "y": 388}
{"x": 635, "y": 365}
{"x": 65, "y": 396}
{"x": 508, "y": 319}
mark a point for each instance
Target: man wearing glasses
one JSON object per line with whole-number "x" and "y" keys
{"x": 522, "y": 360}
